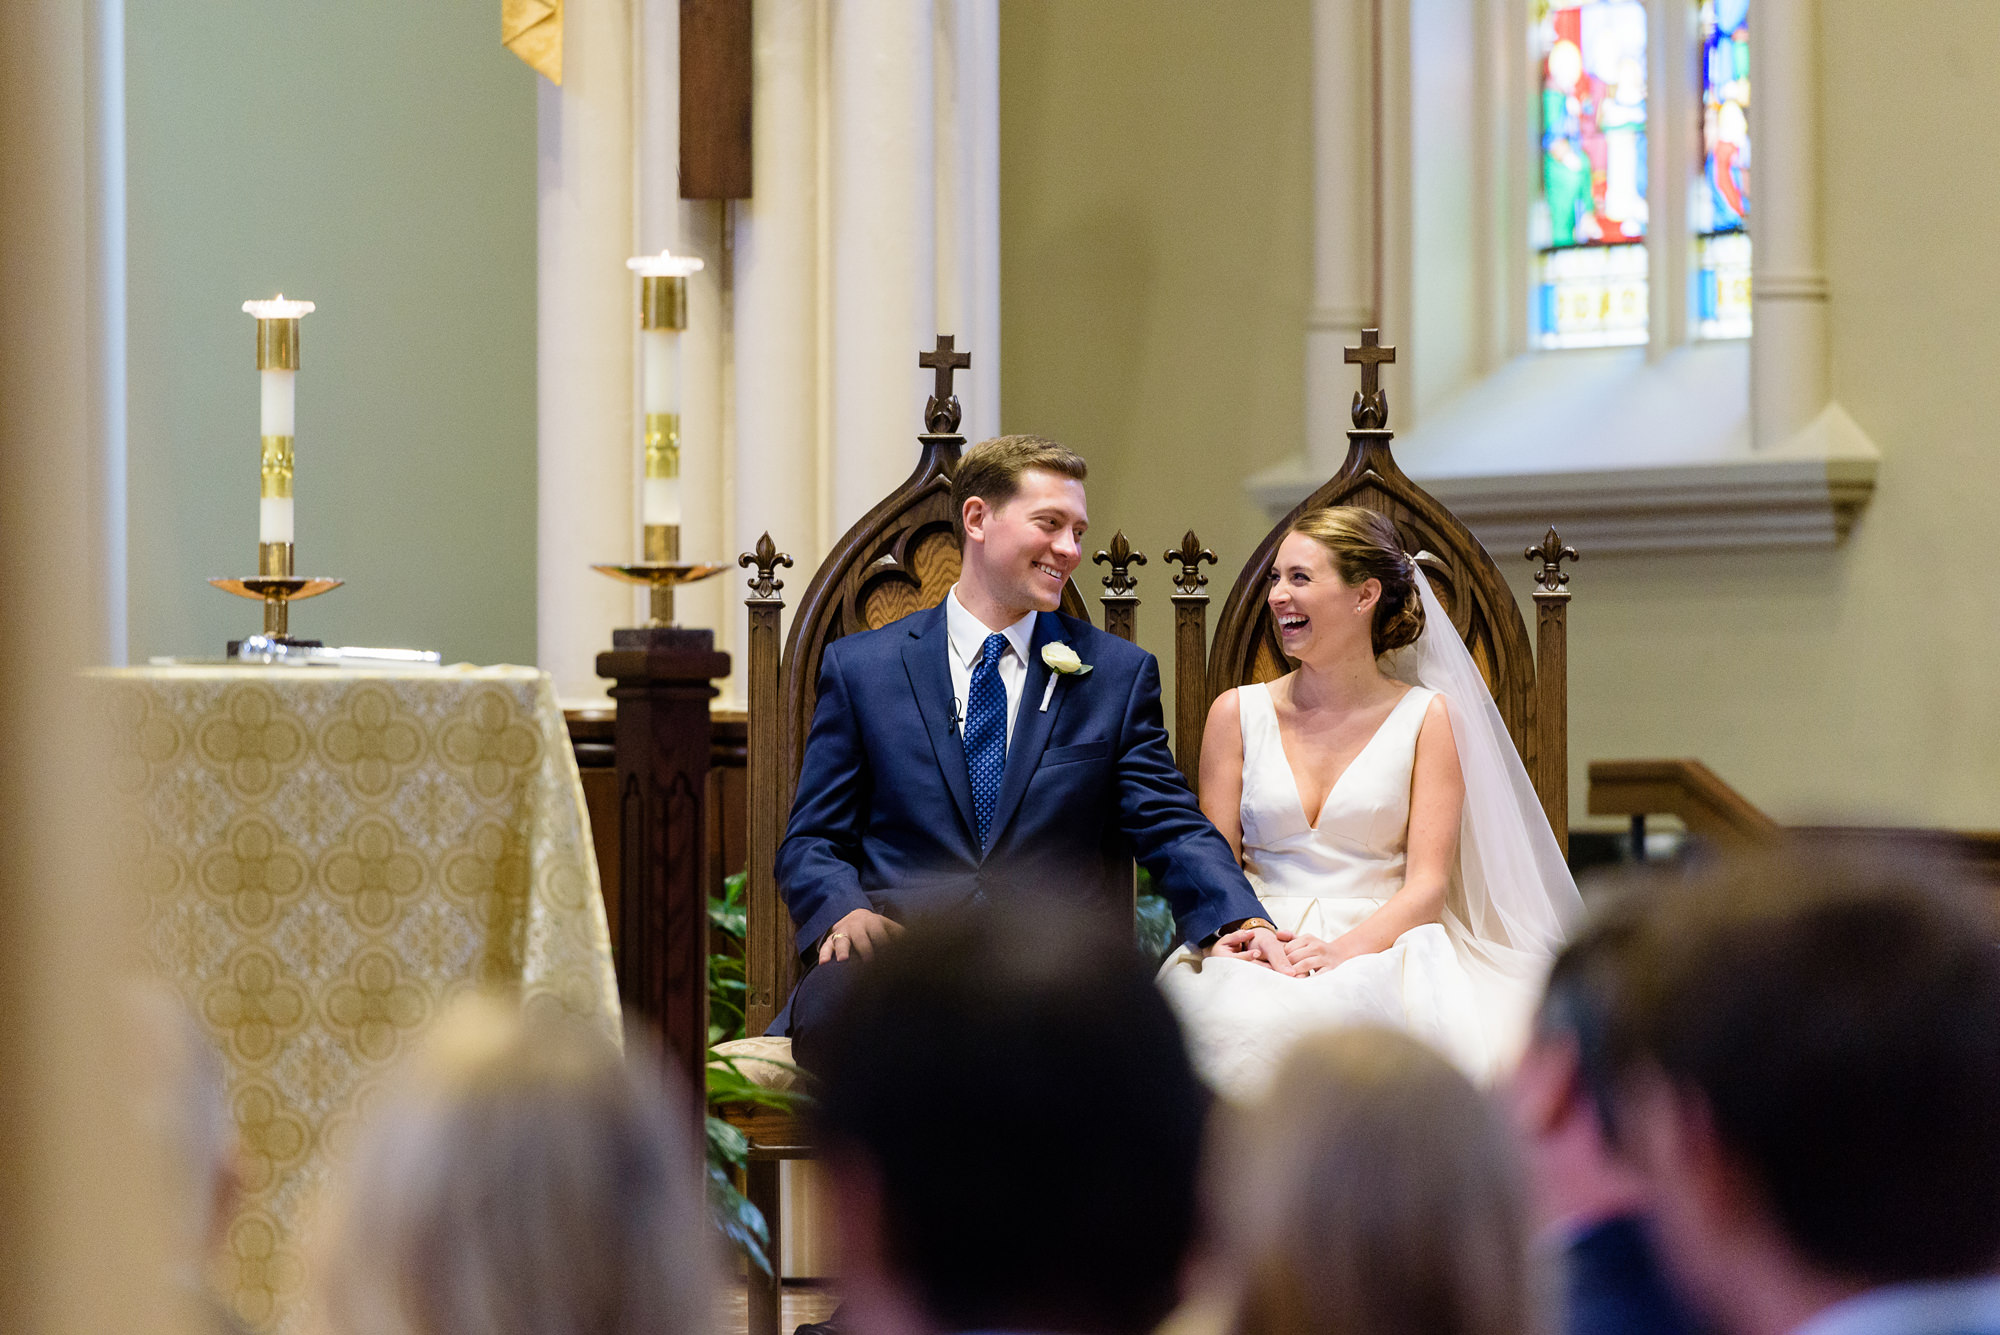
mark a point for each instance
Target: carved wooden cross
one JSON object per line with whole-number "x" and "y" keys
{"x": 1371, "y": 405}
{"x": 941, "y": 414}
{"x": 1371, "y": 354}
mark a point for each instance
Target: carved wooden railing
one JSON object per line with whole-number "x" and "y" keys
{"x": 1685, "y": 789}
{"x": 1711, "y": 810}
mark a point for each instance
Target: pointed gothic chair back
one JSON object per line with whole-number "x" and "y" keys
{"x": 1530, "y": 687}
{"x": 901, "y": 557}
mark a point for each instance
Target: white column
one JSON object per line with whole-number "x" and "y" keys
{"x": 106, "y": 32}
{"x": 967, "y": 47}
{"x": 883, "y": 242}
{"x": 776, "y": 345}
{"x": 1341, "y": 226}
{"x": 585, "y": 334}
{"x": 1788, "y": 290}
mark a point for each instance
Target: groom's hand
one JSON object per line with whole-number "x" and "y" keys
{"x": 1259, "y": 945}
{"x": 859, "y": 933}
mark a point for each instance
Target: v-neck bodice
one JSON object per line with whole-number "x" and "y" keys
{"x": 1355, "y": 850}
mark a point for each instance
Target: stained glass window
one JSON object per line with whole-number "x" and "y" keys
{"x": 1722, "y": 199}
{"x": 1589, "y": 222}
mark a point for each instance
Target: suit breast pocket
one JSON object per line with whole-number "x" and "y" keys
{"x": 1067, "y": 755}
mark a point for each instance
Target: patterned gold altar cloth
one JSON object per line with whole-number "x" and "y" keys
{"x": 325, "y": 858}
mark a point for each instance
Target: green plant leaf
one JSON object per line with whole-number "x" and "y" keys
{"x": 1153, "y": 922}
{"x": 740, "y": 1223}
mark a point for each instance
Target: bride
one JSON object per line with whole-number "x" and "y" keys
{"x": 1385, "y": 819}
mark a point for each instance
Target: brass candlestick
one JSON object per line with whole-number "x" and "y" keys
{"x": 662, "y": 570}
{"x": 278, "y": 593}
{"x": 663, "y": 317}
{"x": 275, "y": 584}
{"x": 278, "y": 587}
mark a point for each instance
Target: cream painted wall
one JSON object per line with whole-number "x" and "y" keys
{"x": 377, "y": 157}
{"x": 1155, "y": 261}
{"x": 1861, "y": 683}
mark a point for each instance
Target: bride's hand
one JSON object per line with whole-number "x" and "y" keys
{"x": 1310, "y": 955}
{"x": 1259, "y": 945}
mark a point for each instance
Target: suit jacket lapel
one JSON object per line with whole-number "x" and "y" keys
{"x": 930, "y": 677}
{"x": 1031, "y": 725}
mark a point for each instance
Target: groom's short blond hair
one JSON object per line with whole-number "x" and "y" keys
{"x": 992, "y": 470}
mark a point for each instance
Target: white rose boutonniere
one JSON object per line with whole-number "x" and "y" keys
{"x": 1063, "y": 662}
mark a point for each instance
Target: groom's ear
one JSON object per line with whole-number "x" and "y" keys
{"x": 973, "y": 516}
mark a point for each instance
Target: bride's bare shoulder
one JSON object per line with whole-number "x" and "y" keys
{"x": 1436, "y": 727}
{"x": 1226, "y": 712}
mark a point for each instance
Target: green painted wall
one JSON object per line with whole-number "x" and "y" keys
{"x": 378, "y": 158}
{"x": 1156, "y": 260}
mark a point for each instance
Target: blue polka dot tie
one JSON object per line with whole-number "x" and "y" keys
{"x": 986, "y": 734}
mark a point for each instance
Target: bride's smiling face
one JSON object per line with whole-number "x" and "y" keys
{"x": 1320, "y": 617}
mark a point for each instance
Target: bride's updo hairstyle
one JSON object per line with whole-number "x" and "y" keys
{"x": 1364, "y": 546}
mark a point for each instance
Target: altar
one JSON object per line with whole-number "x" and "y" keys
{"x": 322, "y": 858}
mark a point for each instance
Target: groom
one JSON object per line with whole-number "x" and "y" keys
{"x": 992, "y": 746}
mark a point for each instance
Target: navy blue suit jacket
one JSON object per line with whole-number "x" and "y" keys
{"x": 882, "y": 818}
{"x": 1614, "y": 1285}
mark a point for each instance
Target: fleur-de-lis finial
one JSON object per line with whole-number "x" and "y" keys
{"x": 1121, "y": 558}
{"x": 1551, "y": 554}
{"x": 1189, "y": 556}
{"x": 767, "y": 558}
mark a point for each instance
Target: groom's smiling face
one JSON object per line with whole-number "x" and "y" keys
{"x": 1021, "y": 553}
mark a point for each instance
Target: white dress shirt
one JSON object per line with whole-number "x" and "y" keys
{"x": 1961, "y": 1305}
{"x": 967, "y": 635}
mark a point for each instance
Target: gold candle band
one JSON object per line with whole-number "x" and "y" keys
{"x": 274, "y": 559}
{"x": 663, "y": 302}
{"x": 278, "y": 345}
{"x": 663, "y": 444}
{"x": 275, "y": 482}
{"x": 663, "y": 542}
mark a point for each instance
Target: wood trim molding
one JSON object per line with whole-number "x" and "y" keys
{"x": 1687, "y": 789}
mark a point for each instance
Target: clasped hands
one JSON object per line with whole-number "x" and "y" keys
{"x": 1294, "y": 954}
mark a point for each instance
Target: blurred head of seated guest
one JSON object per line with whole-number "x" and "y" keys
{"x": 519, "y": 1176}
{"x": 1588, "y": 1197}
{"x": 1013, "y": 1129}
{"x": 1373, "y": 1191}
{"x": 1807, "y": 1065}
{"x": 184, "y": 1104}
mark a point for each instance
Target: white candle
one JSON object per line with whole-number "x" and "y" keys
{"x": 662, "y": 348}
{"x": 274, "y": 519}
{"x": 663, "y": 314}
{"x": 274, "y": 513}
{"x": 277, "y": 377}
{"x": 661, "y": 498}
{"x": 279, "y": 401}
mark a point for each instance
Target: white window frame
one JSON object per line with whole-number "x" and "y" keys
{"x": 1680, "y": 444}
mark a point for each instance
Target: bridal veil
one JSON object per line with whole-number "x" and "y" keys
{"x": 1512, "y": 895}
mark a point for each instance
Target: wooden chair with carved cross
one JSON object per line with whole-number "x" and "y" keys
{"x": 901, "y": 557}
{"x": 1530, "y": 687}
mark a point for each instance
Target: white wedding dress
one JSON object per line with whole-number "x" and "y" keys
{"x": 1465, "y": 994}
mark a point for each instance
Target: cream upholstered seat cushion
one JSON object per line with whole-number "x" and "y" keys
{"x": 755, "y": 1058}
